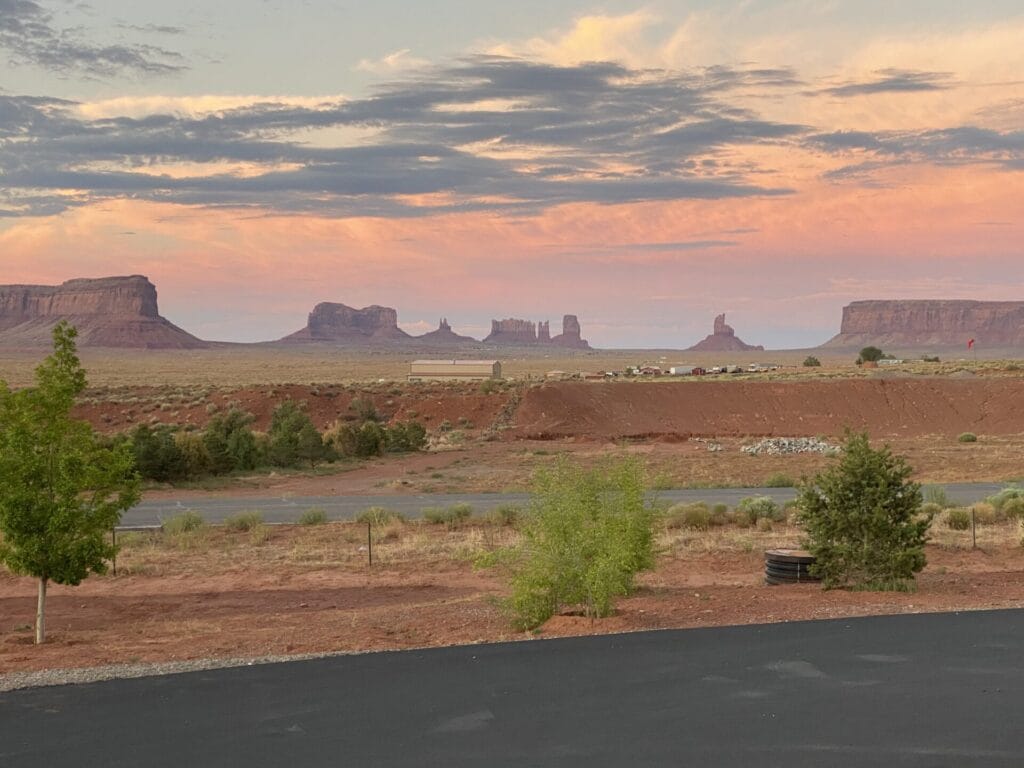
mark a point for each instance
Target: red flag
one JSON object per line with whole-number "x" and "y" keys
{"x": 970, "y": 343}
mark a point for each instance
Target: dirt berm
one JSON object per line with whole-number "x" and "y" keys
{"x": 896, "y": 407}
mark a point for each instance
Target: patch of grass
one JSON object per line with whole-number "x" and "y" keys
{"x": 985, "y": 513}
{"x": 243, "y": 521}
{"x": 780, "y": 480}
{"x": 506, "y": 514}
{"x": 694, "y": 517}
{"x": 936, "y": 494}
{"x": 958, "y": 519}
{"x": 313, "y": 516}
{"x": 450, "y": 516}
{"x": 259, "y": 534}
{"x": 378, "y": 516}
{"x": 754, "y": 508}
{"x": 185, "y": 522}
{"x": 719, "y": 514}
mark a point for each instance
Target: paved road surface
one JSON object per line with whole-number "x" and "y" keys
{"x": 288, "y": 509}
{"x": 926, "y": 690}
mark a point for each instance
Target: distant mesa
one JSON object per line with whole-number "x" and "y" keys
{"x": 343, "y": 324}
{"x": 445, "y": 336}
{"x": 108, "y": 312}
{"x": 516, "y": 332}
{"x": 924, "y": 323}
{"x": 723, "y": 339}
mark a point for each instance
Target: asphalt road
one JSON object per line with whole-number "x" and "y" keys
{"x": 288, "y": 509}
{"x": 916, "y": 690}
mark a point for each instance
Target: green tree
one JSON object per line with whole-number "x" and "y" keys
{"x": 812, "y": 362}
{"x": 230, "y": 443}
{"x": 863, "y": 519}
{"x": 61, "y": 489}
{"x": 588, "y": 533}
{"x": 157, "y": 454}
{"x": 871, "y": 355}
{"x": 405, "y": 436}
{"x": 292, "y": 437}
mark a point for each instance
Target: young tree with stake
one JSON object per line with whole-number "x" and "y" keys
{"x": 61, "y": 491}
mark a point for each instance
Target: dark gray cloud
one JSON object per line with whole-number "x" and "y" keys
{"x": 28, "y": 35}
{"x": 951, "y": 146}
{"x": 894, "y": 81}
{"x": 595, "y": 132}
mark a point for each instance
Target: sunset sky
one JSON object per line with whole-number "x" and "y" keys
{"x": 642, "y": 165}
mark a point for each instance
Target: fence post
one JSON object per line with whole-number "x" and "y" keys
{"x": 113, "y": 542}
{"x": 369, "y": 541}
{"x": 974, "y": 531}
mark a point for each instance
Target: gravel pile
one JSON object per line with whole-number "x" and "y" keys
{"x": 778, "y": 446}
{"x": 13, "y": 681}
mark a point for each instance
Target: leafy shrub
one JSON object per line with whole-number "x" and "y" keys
{"x": 377, "y": 516}
{"x": 985, "y": 513}
{"x": 587, "y": 535}
{"x": 812, "y": 362}
{"x": 185, "y": 522}
{"x": 863, "y": 519}
{"x": 405, "y": 436}
{"x": 719, "y": 514}
{"x": 230, "y": 443}
{"x": 243, "y": 521}
{"x": 696, "y": 517}
{"x": 931, "y": 509}
{"x": 313, "y": 516}
{"x": 292, "y": 439}
{"x": 157, "y": 454}
{"x": 449, "y": 516}
{"x": 967, "y": 437}
{"x": 780, "y": 480}
{"x": 1013, "y": 508}
{"x": 1005, "y": 497}
{"x": 755, "y": 508}
{"x": 958, "y": 518}
{"x": 364, "y": 410}
{"x": 506, "y": 514}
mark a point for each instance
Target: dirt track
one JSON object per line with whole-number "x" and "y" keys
{"x": 884, "y": 407}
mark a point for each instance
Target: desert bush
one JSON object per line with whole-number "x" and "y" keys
{"x": 754, "y": 508}
{"x": 364, "y": 410}
{"x": 871, "y": 355}
{"x": 967, "y": 437}
{"x": 194, "y": 452}
{"x": 230, "y": 443}
{"x": 696, "y": 517}
{"x": 719, "y": 514}
{"x": 185, "y": 522}
{"x": 243, "y": 521}
{"x": 445, "y": 426}
{"x": 936, "y": 494}
{"x": 931, "y": 509}
{"x": 764, "y": 524}
{"x": 506, "y": 514}
{"x": 780, "y": 480}
{"x": 158, "y": 456}
{"x": 450, "y": 516}
{"x": 863, "y": 519}
{"x": 313, "y": 516}
{"x": 587, "y": 535}
{"x": 292, "y": 439}
{"x": 1005, "y": 497}
{"x": 1013, "y": 508}
{"x": 377, "y": 516}
{"x": 958, "y": 519}
{"x": 812, "y": 362}
{"x": 259, "y": 534}
{"x": 985, "y": 513}
{"x": 405, "y": 436}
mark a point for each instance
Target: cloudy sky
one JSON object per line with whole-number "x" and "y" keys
{"x": 643, "y": 165}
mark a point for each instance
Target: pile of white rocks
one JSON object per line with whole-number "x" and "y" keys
{"x": 778, "y": 446}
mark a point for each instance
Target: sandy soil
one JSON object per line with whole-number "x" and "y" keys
{"x": 310, "y": 590}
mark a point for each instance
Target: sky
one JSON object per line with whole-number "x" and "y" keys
{"x": 644, "y": 166}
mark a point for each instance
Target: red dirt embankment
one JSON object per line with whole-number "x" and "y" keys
{"x": 893, "y": 407}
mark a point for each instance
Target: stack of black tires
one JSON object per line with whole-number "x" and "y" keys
{"x": 788, "y": 566}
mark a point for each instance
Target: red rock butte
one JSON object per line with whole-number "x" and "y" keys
{"x": 108, "y": 312}
{"x": 723, "y": 339}
{"x": 930, "y": 323}
{"x": 343, "y": 324}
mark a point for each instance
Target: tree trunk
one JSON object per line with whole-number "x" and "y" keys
{"x": 41, "y": 613}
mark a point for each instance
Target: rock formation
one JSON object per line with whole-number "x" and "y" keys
{"x": 723, "y": 339}
{"x": 343, "y": 324}
{"x": 525, "y": 333}
{"x": 108, "y": 312}
{"x": 571, "y": 335}
{"x": 512, "y": 331}
{"x": 444, "y": 335}
{"x": 931, "y": 323}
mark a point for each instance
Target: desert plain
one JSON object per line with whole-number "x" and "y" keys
{"x": 293, "y": 589}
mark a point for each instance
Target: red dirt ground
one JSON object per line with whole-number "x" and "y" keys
{"x": 293, "y": 608}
